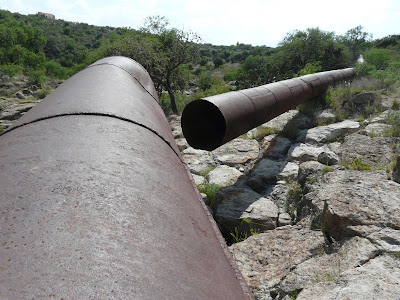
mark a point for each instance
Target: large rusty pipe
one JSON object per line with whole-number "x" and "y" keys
{"x": 95, "y": 202}
{"x": 210, "y": 122}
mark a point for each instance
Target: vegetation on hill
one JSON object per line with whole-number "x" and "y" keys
{"x": 181, "y": 66}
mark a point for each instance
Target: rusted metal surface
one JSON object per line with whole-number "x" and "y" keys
{"x": 213, "y": 121}
{"x": 95, "y": 202}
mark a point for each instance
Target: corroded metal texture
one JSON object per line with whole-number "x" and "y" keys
{"x": 95, "y": 202}
{"x": 213, "y": 121}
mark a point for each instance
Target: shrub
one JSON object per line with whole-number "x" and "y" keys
{"x": 209, "y": 189}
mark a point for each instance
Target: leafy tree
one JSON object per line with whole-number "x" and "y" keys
{"x": 175, "y": 48}
{"x": 357, "y": 40}
{"x": 379, "y": 58}
{"x": 312, "y": 45}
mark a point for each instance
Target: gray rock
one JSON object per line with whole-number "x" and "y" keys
{"x": 304, "y": 152}
{"x": 198, "y": 161}
{"x": 382, "y": 117}
{"x": 280, "y": 121}
{"x": 289, "y": 172}
{"x": 396, "y": 171}
{"x": 377, "y": 129}
{"x": 329, "y": 133}
{"x": 377, "y": 279}
{"x": 348, "y": 198}
{"x": 385, "y": 239}
{"x": 364, "y": 99}
{"x": 375, "y": 152}
{"x": 326, "y": 266}
{"x": 223, "y": 176}
{"x": 308, "y": 170}
{"x": 325, "y": 117}
{"x": 284, "y": 219}
{"x": 328, "y": 158}
{"x": 275, "y": 146}
{"x": 182, "y": 144}
{"x": 20, "y": 95}
{"x": 175, "y": 124}
{"x": 198, "y": 179}
{"x": 237, "y": 152}
{"x": 267, "y": 258}
{"x": 268, "y": 169}
{"x": 232, "y": 205}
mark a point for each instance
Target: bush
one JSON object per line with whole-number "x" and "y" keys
{"x": 11, "y": 70}
{"x": 379, "y": 58}
{"x": 54, "y": 69}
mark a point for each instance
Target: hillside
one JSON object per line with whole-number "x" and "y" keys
{"x": 309, "y": 201}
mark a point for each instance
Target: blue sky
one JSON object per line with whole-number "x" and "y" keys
{"x": 223, "y": 22}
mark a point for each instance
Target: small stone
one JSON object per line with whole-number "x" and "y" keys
{"x": 328, "y": 158}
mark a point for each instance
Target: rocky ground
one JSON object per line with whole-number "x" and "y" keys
{"x": 310, "y": 212}
{"x": 316, "y": 216}
{"x": 18, "y": 95}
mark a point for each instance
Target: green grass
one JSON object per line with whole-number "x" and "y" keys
{"x": 240, "y": 236}
{"x": 357, "y": 164}
{"x": 262, "y": 132}
{"x": 205, "y": 172}
{"x": 327, "y": 169}
{"x": 209, "y": 189}
{"x": 293, "y": 196}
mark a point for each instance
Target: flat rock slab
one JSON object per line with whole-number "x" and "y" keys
{"x": 377, "y": 279}
{"x": 304, "y": 152}
{"x": 267, "y": 258}
{"x": 377, "y": 129}
{"x": 375, "y": 152}
{"x": 198, "y": 161}
{"x": 223, "y": 176}
{"x": 280, "y": 121}
{"x": 346, "y": 198}
{"x": 328, "y": 133}
{"x": 275, "y": 146}
{"x": 233, "y": 204}
{"x": 237, "y": 152}
{"x": 325, "y": 266}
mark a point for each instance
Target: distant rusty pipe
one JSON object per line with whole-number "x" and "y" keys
{"x": 210, "y": 122}
{"x": 95, "y": 202}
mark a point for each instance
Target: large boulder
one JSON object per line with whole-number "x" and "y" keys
{"x": 328, "y": 265}
{"x": 377, "y": 279}
{"x": 275, "y": 146}
{"x": 328, "y": 133}
{"x": 237, "y": 152}
{"x": 374, "y": 152}
{"x": 223, "y": 176}
{"x": 280, "y": 121}
{"x": 266, "y": 259}
{"x": 198, "y": 162}
{"x": 346, "y": 198}
{"x": 232, "y": 205}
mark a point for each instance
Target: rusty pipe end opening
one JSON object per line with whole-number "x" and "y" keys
{"x": 203, "y": 125}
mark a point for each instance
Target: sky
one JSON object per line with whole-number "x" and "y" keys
{"x": 226, "y": 22}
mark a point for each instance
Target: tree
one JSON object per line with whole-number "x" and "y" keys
{"x": 357, "y": 41}
{"x": 175, "y": 48}
{"x": 313, "y": 45}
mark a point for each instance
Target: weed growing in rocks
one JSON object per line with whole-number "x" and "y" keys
{"x": 205, "y": 172}
{"x": 243, "y": 235}
{"x": 209, "y": 190}
{"x": 293, "y": 195}
{"x": 262, "y": 132}
{"x": 394, "y": 120}
{"x": 327, "y": 169}
{"x": 357, "y": 164}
